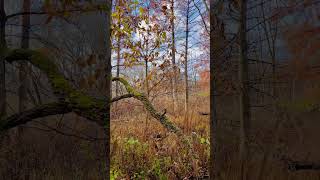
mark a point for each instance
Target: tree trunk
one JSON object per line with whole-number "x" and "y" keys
{"x": 108, "y": 86}
{"x": 118, "y": 65}
{"x": 118, "y": 54}
{"x": 244, "y": 91}
{"x": 2, "y": 62}
{"x": 146, "y": 59}
{"x": 173, "y": 49}
{"x": 216, "y": 54}
{"x": 186, "y": 102}
{"x": 214, "y": 166}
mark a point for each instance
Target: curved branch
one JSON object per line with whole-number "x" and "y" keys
{"x": 80, "y": 103}
{"x": 25, "y": 13}
{"x": 72, "y": 100}
{"x": 59, "y": 12}
{"x": 115, "y": 99}
{"x": 162, "y": 118}
{"x": 37, "y": 112}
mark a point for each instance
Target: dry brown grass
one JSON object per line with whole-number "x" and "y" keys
{"x": 142, "y": 149}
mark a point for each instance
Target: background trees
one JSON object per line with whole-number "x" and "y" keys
{"x": 261, "y": 86}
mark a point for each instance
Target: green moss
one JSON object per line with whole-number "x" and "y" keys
{"x": 60, "y": 83}
{"x": 128, "y": 87}
{"x": 43, "y": 62}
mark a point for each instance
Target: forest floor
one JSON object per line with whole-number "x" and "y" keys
{"x": 142, "y": 149}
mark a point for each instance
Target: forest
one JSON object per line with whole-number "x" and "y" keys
{"x": 159, "y": 89}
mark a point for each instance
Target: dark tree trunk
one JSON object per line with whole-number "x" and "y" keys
{"x": 216, "y": 54}
{"x": 106, "y": 119}
{"x": 2, "y": 62}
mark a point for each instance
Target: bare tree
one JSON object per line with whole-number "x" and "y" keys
{"x": 186, "y": 100}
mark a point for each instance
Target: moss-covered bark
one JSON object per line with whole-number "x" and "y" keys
{"x": 86, "y": 106}
{"x": 162, "y": 118}
{"x": 80, "y": 103}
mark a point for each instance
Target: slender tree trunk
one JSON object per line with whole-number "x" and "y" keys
{"x": 186, "y": 102}
{"x": 2, "y": 62}
{"x": 108, "y": 86}
{"x": 23, "y": 70}
{"x": 118, "y": 65}
{"x": 146, "y": 59}
{"x": 173, "y": 49}
{"x": 118, "y": 55}
{"x": 147, "y": 56}
{"x": 244, "y": 92}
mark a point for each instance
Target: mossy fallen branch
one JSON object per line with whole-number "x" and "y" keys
{"x": 70, "y": 99}
{"x": 162, "y": 118}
